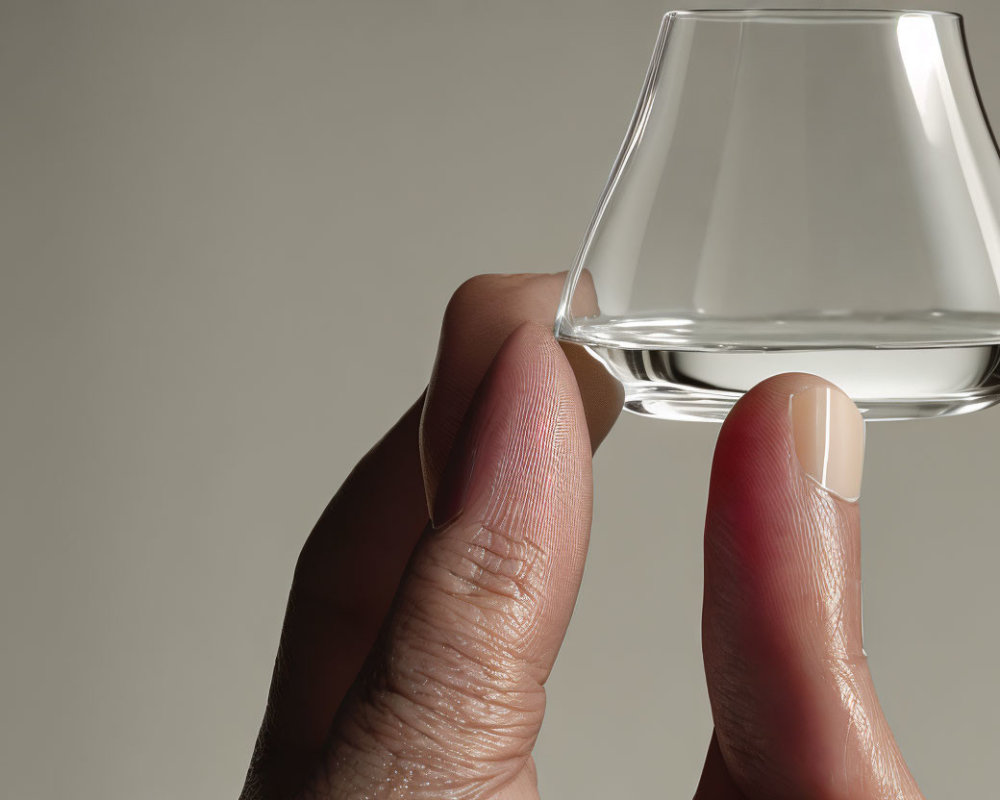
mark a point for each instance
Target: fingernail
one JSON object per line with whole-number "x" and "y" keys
{"x": 454, "y": 487}
{"x": 829, "y": 435}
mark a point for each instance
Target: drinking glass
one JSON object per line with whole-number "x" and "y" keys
{"x": 811, "y": 191}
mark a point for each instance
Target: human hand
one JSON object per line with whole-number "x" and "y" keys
{"x": 414, "y": 653}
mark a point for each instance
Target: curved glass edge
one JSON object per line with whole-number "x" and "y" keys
{"x": 633, "y": 135}
{"x": 806, "y": 15}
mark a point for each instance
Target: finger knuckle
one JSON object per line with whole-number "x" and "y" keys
{"x": 463, "y": 632}
{"x": 452, "y": 677}
{"x": 491, "y": 577}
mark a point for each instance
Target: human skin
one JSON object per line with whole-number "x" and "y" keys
{"x": 430, "y": 601}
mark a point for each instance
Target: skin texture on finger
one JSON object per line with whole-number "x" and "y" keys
{"x": 795, "y": 709}
{"x": 481, "y": 315}
{"x": 452, "y": 700}
{"x": 350, "y": 567}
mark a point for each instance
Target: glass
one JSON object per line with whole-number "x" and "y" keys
{"x": 799, "y": 191}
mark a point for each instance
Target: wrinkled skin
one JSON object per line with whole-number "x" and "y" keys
{"x": 415, "y": 652}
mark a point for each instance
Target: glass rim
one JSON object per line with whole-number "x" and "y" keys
{"x": 787, "y": 15}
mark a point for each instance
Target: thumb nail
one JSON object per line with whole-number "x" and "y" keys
{"x": 829, "y": 436}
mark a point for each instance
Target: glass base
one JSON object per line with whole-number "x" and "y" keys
{"x": 886, "y": 384}
{"x": 694, "y": 406}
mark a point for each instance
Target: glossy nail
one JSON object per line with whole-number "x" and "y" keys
{"x": 829, "y": 437}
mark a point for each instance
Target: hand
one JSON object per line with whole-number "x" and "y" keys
{"x": 416, "y": 645}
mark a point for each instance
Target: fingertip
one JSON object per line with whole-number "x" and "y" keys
{"x": 480, "y": 316}
{"x": 812, "y": 420}
{"x": 524, "y": 434}
{"x": 772, "y": 526}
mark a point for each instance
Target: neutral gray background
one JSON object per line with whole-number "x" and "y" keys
{"x": 227, "y": 233}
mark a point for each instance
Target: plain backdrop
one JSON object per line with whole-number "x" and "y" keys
{"x": 227, "y": 233}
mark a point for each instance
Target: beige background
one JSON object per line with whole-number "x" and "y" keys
{"x": 227, "y": 232}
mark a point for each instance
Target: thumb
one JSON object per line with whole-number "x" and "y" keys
{"x": 795, "y": 709}
{"x": 452, "y": 698}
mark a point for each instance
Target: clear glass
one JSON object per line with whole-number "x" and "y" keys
{"x": 812, "y": 191}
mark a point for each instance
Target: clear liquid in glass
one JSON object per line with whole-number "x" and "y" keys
{"x": 926, "y": 365}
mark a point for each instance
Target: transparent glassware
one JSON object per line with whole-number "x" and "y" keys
{"x": 811, "y": 191}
